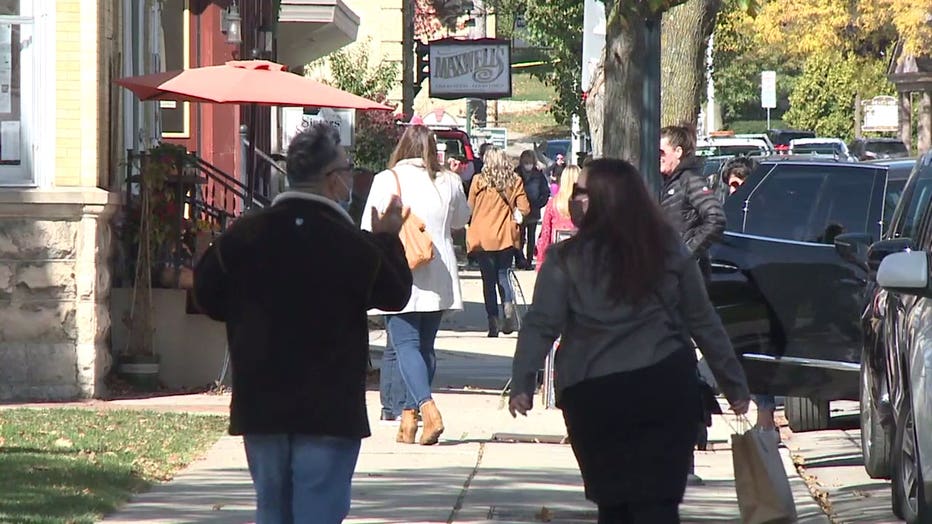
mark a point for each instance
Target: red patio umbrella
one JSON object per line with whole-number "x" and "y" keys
{"x": 244, "y": 82}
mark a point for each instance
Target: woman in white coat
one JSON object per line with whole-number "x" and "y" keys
{"x": 436, "y": 197}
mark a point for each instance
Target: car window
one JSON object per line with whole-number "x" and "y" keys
{"x": 843, "y": 205}
{"x": 891, "y": 198}
{"x": 781, "y": 205}
{"x": 454, "y": 146}
{"x": 917, "y": 198}
{"x": 888, "y": 148}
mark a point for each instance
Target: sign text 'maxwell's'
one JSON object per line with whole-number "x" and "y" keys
{"x": 485, "y": 65}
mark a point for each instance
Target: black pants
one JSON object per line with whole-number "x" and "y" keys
{"x": 528, "y": 243}
{"x": 663, "y": 512}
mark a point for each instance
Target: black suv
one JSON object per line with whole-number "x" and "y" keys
{"x": 789, "y": 279}
{"x": 895, "y": 412}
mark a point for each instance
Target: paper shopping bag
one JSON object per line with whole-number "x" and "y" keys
{"x": 764, "y": 494}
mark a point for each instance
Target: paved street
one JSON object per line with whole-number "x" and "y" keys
{"x": 833, "y": 458}
{"x": 486, "y": 469}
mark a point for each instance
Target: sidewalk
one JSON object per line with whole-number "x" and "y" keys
{"x": 472, "y": 476}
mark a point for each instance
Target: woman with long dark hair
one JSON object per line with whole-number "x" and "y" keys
{"x": 626, "y": 297}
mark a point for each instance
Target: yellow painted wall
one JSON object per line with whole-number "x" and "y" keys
{"x": 77, "y": 78}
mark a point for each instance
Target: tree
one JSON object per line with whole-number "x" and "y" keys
{"x": 557, "y": 27}
{"x": 824, "y": 97}
{"x": 684, "y": 40}
{"x": 352, "y": 70}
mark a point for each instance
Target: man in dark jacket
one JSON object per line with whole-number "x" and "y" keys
{"x": 688, "y": 201}
{"x": 538, "y": 193}
{"x": 293, "y": 283}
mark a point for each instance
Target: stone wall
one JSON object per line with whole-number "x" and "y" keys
{"x": 54, "y": 292}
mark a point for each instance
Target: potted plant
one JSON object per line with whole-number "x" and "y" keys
{"x": 150, "y": 220}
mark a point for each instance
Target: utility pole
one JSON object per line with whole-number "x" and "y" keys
{"x": 407, "y": 58}
{"x": 478, "y": 31}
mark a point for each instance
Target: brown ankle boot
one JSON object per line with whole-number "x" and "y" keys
{"x": 433, "y": 423}
{"x": 408, "y": 427}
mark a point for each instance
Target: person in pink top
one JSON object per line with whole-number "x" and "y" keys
{"x": 556, "y": 219}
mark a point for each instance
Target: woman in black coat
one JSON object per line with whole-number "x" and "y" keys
{"x": 626, "y": 297}
{"x": 538, "y": 193}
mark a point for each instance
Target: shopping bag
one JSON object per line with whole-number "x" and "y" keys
{"x": 764, "y": 494}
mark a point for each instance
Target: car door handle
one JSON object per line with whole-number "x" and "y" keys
{"x": 725, "y": 267}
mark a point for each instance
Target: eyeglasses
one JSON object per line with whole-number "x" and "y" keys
{"x": 579, "y": 192}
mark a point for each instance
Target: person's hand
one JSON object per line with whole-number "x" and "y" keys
{"x": 391, "y": 220}
{"x": 740, "y": 407}
{"x": 520, "y": 403}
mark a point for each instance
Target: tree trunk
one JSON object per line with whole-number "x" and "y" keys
{"x": 595, "y": 108}
{"x": 684, "y": 39}
{"x": 624, "y": 73}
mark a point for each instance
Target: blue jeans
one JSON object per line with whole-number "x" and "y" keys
{"x": 413, "y": 336}
{"x": 494, "y": 267}
{"x": 301, "y": 478}
{"x": 765, "y": 402}
{"x": 392, "y": 390}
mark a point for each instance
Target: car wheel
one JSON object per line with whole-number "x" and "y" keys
{"x": 908, "y": 486}
{"x": 806, "y": 414}
{"x": 875, "y": 439}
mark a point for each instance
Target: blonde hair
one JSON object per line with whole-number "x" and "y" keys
{"x": 498, "y": 169}
{"x": 418, "y": 142}
{"x": 567, "y": 181}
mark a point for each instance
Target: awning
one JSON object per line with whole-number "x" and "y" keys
{"x": 306, "y": 29}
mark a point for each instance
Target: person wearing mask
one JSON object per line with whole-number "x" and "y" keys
{"x": 556, "y": 169}
{"x": 497, "y": 193}
{"x": 292, "y": 282}
{"x": 538, "y": 193}
{"x": 435, "y": 196}
{"x": 625, "y": 296}
{"x": 556, "y": 219}
{"x": 687, "y": 200}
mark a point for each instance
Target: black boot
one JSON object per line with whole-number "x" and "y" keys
{"x": 493, "y": 327}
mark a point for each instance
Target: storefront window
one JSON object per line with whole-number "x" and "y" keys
{"x": 17, "y": 92}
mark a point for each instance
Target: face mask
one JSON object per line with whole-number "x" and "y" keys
{"x": 345, "y": 204}
{"x": 527, "y": 167}
{"x": 577, "y": 212}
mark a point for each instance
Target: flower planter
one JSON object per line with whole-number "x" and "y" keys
{"x": 141, "y": 372}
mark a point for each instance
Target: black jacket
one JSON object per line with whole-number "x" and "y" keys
{"x": 692, "y": 206}
{"x": 293, "y": 283}
{"x": 538, "y": 191}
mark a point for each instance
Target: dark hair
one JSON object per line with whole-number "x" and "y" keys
{"x": 740, "y": 167}
{"x": 528, "y": 154}
{"x": 683, "y": 135}
{"x": 624, "y": 233}
{"x": 418, "y": 142}
{"x": 484, "y": 148}
{"x": 310, "y": 151}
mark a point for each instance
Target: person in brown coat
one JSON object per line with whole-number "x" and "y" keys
{"x": 498, "y": 203}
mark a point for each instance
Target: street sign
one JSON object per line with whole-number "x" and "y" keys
{"x": 768, "y": 89}
{"x": 881, "y": 113}
{"x": 497, "y": 136}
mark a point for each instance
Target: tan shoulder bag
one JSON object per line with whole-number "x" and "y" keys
{"x": 419, "y": 248}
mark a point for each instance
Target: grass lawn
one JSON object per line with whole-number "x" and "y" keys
{"x": 74, "y": 465}
{"x": 526, "y": 87}
{"x": 539, "y": 124}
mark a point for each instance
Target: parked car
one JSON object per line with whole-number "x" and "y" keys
{"x": 896, "y": 397}
{"x": 715, "y": 146}
{"x": 830, "y": 147}
{"x": 781, "y": 138}
{"x": 789, "y": 277}
{"x": 758, "y": 136}
{"x": 455, "y": 142}
{"x": 878, "y": 148}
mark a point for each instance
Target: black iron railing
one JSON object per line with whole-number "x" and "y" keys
{"x": 190, "y": 198}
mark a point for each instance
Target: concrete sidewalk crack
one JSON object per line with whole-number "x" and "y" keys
{"x": 462, "y": 498}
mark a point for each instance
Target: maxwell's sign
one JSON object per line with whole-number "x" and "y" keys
{"x": 470, "y": 68}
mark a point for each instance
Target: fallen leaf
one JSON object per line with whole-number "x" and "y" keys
{"x": 544, "y": 515}
{"x": 63, "y": 443}
{"x": 217, "y": 507}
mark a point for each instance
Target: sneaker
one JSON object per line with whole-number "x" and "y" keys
{"x": 694, "y": 480}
